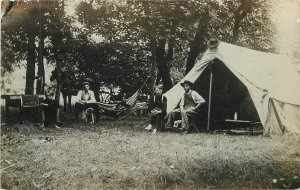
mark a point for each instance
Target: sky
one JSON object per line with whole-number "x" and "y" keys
{"x": 286, "y": 16}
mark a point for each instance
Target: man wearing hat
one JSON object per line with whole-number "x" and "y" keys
{"x": 189, "y": 103}
{"x": 86, "y": 99}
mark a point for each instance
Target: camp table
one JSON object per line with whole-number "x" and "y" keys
{"x": 231, "y": 124}
{"x": 14, "y": 100}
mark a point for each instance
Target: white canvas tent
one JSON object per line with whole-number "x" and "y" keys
{"x": 271, "y": 80}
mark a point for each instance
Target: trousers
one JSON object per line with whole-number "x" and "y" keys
{"x": 82, "y": 107}
{"x": 155, "y": 120}
{"x": 186, "y": 115}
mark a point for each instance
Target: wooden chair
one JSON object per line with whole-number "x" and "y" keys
{"x": 32, "y": 104}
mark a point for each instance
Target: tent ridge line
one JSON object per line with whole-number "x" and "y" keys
{"x": 284, "y": 101}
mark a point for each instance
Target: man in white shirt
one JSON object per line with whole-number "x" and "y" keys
{"x": 189, "y": 103}
{"x": 86, "y": 99}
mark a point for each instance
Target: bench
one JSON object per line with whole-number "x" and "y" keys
{"x": 235, "y": 124}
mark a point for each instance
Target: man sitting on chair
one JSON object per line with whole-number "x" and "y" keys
{"x": 188, "y": 106}
{"x": 50, "y": 111}
{"x": 86, "y": 100}
{"x": 155, "y": 107}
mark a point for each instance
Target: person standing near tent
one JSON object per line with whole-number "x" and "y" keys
{"x": 188, "y": 106}
{"x": 86, "y": 99}
{"x": 155, "y": 107}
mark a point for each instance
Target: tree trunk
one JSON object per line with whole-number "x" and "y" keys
{"x": 163, "y": 64}
{"x": 153, "y": 45}
{"x": 58, "y": 85}
{"x": 58, "y": 80}
{"x": 160, "y": 53}
{"x": 199, "y": 43}
{"x": 235, "y": 32}
{"x": 41, "y": 70}
{"x": 170, "y": 53}
{"x": 239, "y": 15}
{"x": 30, "y": 69}
{"x": 58, "y": 43}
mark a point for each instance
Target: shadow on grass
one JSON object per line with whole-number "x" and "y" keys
{"x": 224, "y": 174}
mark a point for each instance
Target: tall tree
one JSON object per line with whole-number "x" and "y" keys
{"x": 198, "y": 44}
{"x": 40, "y": 85}
{"x": 19, "y": 30}
{"x": 163, "y": 26}
{"x": 30, "y": 67}
{"x": 29, "y": 24}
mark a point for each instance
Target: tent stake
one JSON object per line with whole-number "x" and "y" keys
{"x": 209, "y": 98}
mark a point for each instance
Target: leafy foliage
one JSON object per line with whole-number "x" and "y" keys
{"x": 123, "y": 42}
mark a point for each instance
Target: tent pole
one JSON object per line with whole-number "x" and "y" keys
{"x": 209, "y": 98}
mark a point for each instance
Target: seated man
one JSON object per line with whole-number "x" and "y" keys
{"x": 50, "y": 111}
{"x": 188, "y": 106}
{"x": 155, "y": 107}
{"x": 86, "y": 100}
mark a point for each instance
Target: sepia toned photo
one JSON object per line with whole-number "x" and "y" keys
{"x": 150, "y": 94}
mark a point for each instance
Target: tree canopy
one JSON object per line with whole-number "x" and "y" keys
{"x": 124, "y": 42}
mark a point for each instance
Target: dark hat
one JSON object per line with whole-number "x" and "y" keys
{"x": 187, "y": 82}
{"x": 212, "y": 43}
{"x": 85, "y": 82}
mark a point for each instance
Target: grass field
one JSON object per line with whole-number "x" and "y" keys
{"x": 121, "y": 155}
